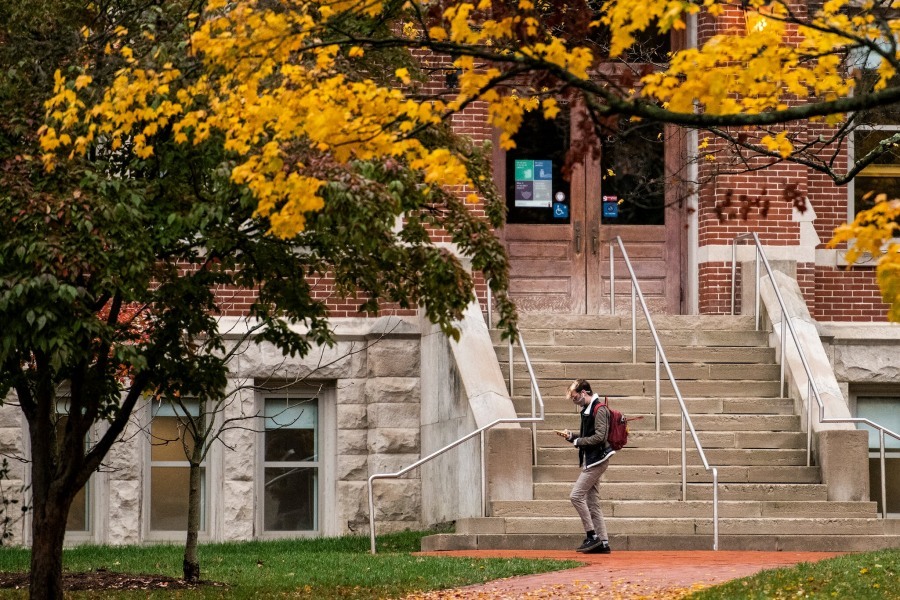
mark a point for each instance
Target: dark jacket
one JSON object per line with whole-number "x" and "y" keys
{"x": 591, "y": 442}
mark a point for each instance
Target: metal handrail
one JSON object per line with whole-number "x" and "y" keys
{"x": 787, "y": 324}
{"x": 537, "y": 416}
{"x": 686, "y": 423}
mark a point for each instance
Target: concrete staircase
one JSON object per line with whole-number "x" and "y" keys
{"x": 768, "y": 498}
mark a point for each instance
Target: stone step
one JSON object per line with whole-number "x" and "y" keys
{"x": 622, "y": 542}
{"x": 626, "y": 371}
{"x": 834, "y": 526}
{"x": 692, "y": 508}
{"x": 647, "y": 405}
{"x": 645, "y": 354}
{"x": 661, "y": 322}
{"x": 647, "y": 387}
{"x": 623, "y": 338}
{"x": 709, "y": 439}
{"x": 695, "y": 491}
{"x": 695, "y": 473}
{"x": 669, "y": 422}
{"x": 672, "y": 457}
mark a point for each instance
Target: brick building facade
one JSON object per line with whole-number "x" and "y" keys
{"x": 368, "y": 408}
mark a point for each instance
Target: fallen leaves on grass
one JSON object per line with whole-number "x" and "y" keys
{"x": 102, "y": 579}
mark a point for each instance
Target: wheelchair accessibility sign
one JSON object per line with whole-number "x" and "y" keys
{"x": 560, "y": 210}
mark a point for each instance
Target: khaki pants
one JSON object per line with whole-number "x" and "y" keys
{"x": 585, "y": 498}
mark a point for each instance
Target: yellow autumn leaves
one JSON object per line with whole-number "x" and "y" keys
{"x": 273, "y": 92}
{"x": 758, "y": 62}
{"x": 273, "y": 84}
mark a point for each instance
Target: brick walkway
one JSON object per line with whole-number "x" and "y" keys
{"x": 623, "y": 575}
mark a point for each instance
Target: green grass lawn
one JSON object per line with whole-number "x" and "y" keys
{"x": 315, "y": 568}
{"x": 868, "y": 576}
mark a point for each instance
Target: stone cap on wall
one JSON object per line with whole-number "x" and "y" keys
{"x": 820, "y": 366}
{"x": 479, "y": 370}
{"x": 345, "y": 328}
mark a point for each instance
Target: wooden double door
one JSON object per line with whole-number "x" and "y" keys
{"x": 558, "y": 234}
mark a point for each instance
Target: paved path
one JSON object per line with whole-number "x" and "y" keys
{"x": 623, "y": 575}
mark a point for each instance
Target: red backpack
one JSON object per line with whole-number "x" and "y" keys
{"x": 617, "y": 432}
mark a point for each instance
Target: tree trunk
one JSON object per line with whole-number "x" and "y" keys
{"x": 191, "y": 561}
{"x": 48, "y": 531}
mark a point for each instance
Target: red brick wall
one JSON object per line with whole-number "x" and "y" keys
{"x": 832, "y": 293}
{"x": 733, "y": 200}
{"x": 733, "y": 203}
{"x": 715, "y": 289}
{"x": 848, "y": 295}
{"x": 235, "y": 302}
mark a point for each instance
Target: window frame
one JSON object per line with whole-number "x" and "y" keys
{"x": 851, "y": 152}
{"x": 326, "y": 512}
{"x": 95, "y": 501}
{"x": 212, "y": 473}
{"x": 890, "y": 394}
{"x": 86, "y": 534}
{"x": 865, "y": 260}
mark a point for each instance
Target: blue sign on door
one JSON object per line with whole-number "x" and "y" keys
{"x": 560, "y": 210}
{"x": 610, "y": 210}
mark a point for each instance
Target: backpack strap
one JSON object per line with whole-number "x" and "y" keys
{"x": 606, "y": 405}
{"x": 599, "y": 404}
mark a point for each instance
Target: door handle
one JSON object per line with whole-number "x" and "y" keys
{"x": 578, "y": 238}
{"x": 595, "y": 240}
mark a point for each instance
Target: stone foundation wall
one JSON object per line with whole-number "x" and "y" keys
{"x": 863, "y": 354}
{"x": 13, "y": 433}
{"x": 369, "y": 398}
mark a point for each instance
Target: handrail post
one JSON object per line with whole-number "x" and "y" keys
{"x": 371, "y": 519}
{"x": 733, "y": 272}
{"x": 658, "y": 409}
{"x": 483, "y": 480}
{"x": 883, "y": 479}
{"x": 612, "y": 280}
{"x": 809, "y": 416}
{"x": 758, "y": 290}
{"x": 490, "y": 301}
{"x": 683, "y": 459}
{"x": 715, "y": 474}
{"x": 783, "y": 355}
{"x": 534, "y": 451}
{"x": 633, "y": 324}
{"x": 511, "y": 385}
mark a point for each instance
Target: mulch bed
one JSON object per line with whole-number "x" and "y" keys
{"x": 101, "y": 579}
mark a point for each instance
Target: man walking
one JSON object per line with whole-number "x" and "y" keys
{"x": 593, "y": 458}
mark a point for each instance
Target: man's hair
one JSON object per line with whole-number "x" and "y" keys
{"x": 581, "y": 385}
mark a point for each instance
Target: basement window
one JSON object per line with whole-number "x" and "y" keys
{"x": 170, "y": 469}
{"x": 291, "y": 465}
{"x": 884, "y": 410}
{"x": 79, "y": 519}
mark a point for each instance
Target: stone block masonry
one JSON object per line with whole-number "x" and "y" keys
{"x": 367, "y": 397}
